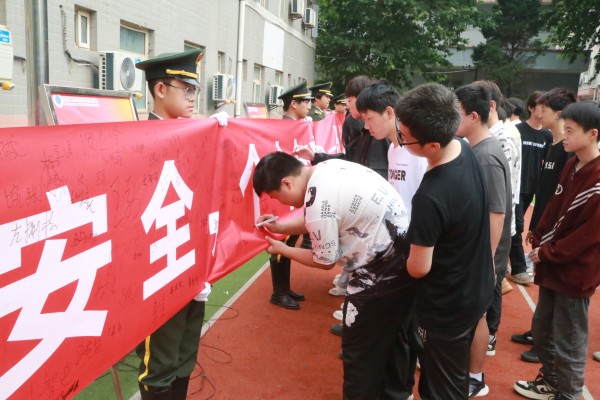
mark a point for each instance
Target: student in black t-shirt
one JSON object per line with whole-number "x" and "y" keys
{"x": 535, "y": 142}
{"x": 450, "y": 240}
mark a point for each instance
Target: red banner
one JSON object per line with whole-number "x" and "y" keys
{"x": 106, "y": 230}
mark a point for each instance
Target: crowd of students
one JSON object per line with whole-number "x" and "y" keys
{"x": 424, "y": 213}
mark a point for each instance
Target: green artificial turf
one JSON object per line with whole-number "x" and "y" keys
{"x": 103, "y": 388}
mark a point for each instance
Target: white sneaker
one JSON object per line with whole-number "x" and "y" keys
{"x": 342, "y": 307}
{"x": 337, "y": 291}
{"x": 339, "y": 315}
{"x": 336, "y": 279}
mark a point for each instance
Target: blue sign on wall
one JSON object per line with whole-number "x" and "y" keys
{"x": 5, "y": 36}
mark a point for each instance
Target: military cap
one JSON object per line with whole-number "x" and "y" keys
{"x": 182, "y": 66}
{"x": 299, "y": 92}
{"x": 340, "y": 99}
{"x": 321, "y": 88}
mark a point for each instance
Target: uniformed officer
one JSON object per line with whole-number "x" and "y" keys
{"x": 168, "y": 356}
{"x": 296, "y": 101}
{"x": 339, "y": 104}
{"x": 322, "y": 97}
{"x": 296, "y": 105}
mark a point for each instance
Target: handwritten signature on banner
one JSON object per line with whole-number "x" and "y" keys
{"x": 108, "y": 229}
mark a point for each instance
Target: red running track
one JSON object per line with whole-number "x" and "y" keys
{"x": 256, "y": 350}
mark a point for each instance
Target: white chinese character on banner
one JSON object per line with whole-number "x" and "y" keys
{"x": 251, "y": 162}
{"x": 168, "y": 216}
{"x": 53, "y": 273}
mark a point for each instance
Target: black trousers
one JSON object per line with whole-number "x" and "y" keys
{"x": 379, "y": 360}
{"x": 517, "y": 254}
{"x": 445, "y": 363}
{"x": 494, "y": 313}
{"x": 280, "y": 268}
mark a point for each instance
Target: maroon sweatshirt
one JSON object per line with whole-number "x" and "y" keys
{"x": 568, "y": 233}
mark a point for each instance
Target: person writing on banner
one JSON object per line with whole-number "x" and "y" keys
{"x": 361, "y": 148}
{"x": 357, "y": 220}
{"x": 449, "y": 235}
{"x": 168, "y": 356}
{"x": 296, "y": 105}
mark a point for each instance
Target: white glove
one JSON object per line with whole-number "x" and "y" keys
{"x": 203, "y": 295}
{"x": 221, "y": 118}
{"x": 307, "y": 119}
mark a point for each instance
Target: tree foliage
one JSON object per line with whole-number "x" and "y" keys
{"x": 575, "y": 25}
{"x": 388, "y": 39}
{"x": 511, "y": 46}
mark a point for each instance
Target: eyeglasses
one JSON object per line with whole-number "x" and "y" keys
{"x": 401, "y": 139}
{"x": 189, "y": 92}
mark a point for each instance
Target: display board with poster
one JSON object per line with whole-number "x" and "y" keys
{"x": 64, "y": 105}
{"x": 257, "y": 110}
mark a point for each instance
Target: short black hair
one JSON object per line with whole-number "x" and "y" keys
{"x": 357, "y": 84}
{"x": 475, "y": 98}
{"x": 533, "y": 100}
{"x": 584, "y": 113}
{"x": 495, "y": 92}
{"x": 271, "y": 169}
{"x": 519, "y": 106}
{"x": 431, "y": 113}
{"x": 557, "y": 98}
{"x": 502, "y": 114}
{"x": 377, "y": 97}
{"x": 508, "y": 107}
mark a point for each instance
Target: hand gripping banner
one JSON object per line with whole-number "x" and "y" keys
{"x": 106, "y": 230}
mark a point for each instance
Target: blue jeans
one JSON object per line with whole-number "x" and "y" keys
{"x": 560, "y": 329}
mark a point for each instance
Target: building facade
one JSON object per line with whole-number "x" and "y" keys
{"x": 278, "y": 46}
{"x": 589, "y": 82}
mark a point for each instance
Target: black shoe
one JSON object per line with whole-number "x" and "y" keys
{"x": 530, "y": 356}
{"x": 296, "y": 296}
{"x": 524, "y": 338}
{"x": 285, "y": 301}
{"x": 337, "y": 329}
{"x": 478, "y": 388}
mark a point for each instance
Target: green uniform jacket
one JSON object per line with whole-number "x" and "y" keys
{"x": 316, "y": 114}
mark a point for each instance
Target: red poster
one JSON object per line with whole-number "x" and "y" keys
{"x": 106, "y": 230}
{"x": 71, "y": 108}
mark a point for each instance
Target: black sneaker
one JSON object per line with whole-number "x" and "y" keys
{"x": 478, "y": 388}
{"x": 337, "y": 329}
{"x": 491, "y": 351}
{"x": 537, "y": 389}
{"x": 530, "y": 356}
{"x": 524, "y": 338}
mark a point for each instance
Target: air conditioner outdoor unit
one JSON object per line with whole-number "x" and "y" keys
{"x": 118, "y": 72}
{"x": 274, "y": 93}
{"x": 223, "y": 87}
{"x": 310, "y": 18}
{"x": 296, "y": 8}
